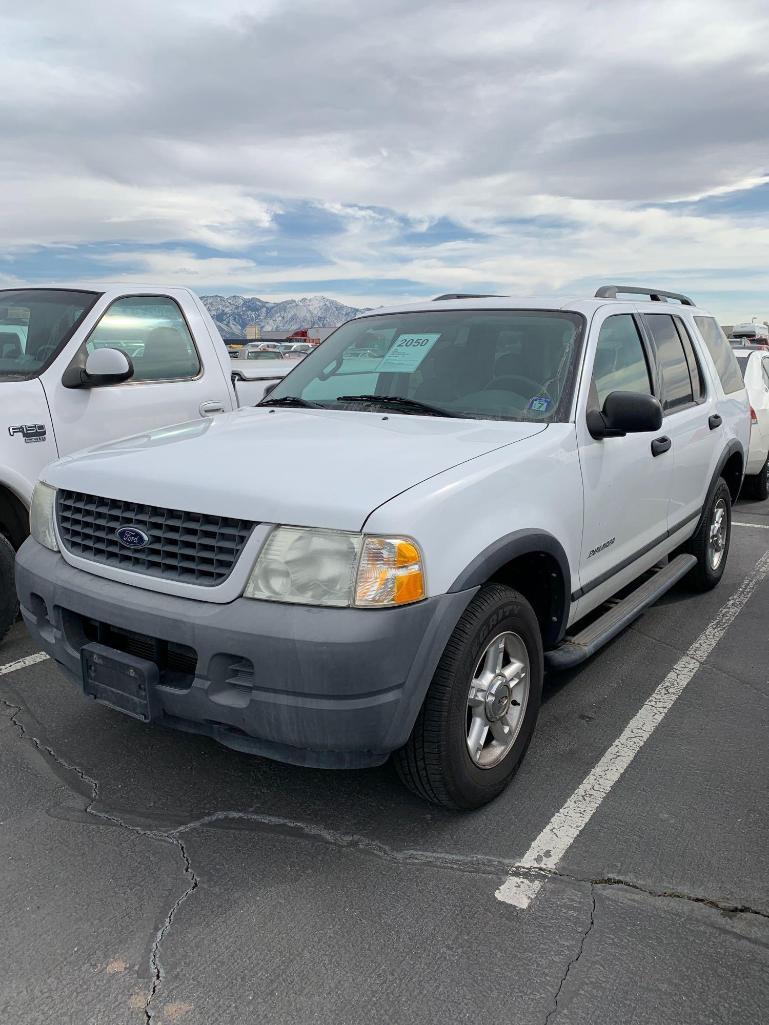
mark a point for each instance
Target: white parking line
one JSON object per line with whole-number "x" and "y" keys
{"x": 22, "y": 663}
{"x": 566, "y": 825}
{"x": 761, "y": 526}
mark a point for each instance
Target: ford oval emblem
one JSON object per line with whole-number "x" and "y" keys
{"x": 132, "y": 537}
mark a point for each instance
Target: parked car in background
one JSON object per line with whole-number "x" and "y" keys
{"x": 81, "y": 366}
{"x": 511, "y": 484}
{"x": 266, "y": 371}
{"x": 254, "y": 351}
{"x": 753, "y": 362}
{"x": 754, "y": 334}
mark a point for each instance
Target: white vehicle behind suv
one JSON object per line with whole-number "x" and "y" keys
{"x": 82, "y": 366}
{"x": 422, "y": 532}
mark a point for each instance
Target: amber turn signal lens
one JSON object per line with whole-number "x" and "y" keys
{"x": 390, "y": 572}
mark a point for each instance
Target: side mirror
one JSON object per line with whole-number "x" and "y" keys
{"x": 107, "y": 366}
{"x": 102, "y": 367}
{"x": 270, "y": 388}
{"x": 625, "y": 412}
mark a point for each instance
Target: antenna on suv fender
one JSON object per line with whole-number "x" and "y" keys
{"x": 657, "y": 295}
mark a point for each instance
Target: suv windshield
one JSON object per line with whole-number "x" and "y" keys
{"x": 488, "y": 364}
{"x": 35, "y": 324}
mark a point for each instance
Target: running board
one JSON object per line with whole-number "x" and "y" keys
{"x": 574, "y": 650}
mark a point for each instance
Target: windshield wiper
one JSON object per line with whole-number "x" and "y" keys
{"x": 291, "y": 400}
{"x": 399, "y": 400}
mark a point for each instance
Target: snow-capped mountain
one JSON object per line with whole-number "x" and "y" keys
{"x": 233, "y": 313}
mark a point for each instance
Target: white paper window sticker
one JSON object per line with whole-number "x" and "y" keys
{"x": 407, "y": 352}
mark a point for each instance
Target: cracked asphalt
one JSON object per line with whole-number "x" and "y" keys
{"x": 147, "y": 875}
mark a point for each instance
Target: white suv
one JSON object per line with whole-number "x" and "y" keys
{"x": 385, "y": 555}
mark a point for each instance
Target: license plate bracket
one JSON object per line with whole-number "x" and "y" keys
{"x": 119, "y": 680}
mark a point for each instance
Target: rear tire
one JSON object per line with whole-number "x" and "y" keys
{"x": 9, "y": 603}
{"x": 757, "y": 486}
{"x": 711, "y": 542}
{"x": 484, "y": 697}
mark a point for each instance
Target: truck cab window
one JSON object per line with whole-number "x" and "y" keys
{"x": 153, "y": 333}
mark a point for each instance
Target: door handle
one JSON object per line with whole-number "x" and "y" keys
{"x": 714, "y": 421}
{"x": 660, "y": 445}
{"x": 210, "y": 407}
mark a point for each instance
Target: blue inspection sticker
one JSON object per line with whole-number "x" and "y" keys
{"x": 540, "y": 404}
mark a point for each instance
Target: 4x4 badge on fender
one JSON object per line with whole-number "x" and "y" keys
{"x": 31, "y": 433}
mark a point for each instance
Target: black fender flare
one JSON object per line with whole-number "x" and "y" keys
{"x": 512, "y": 546}
{"x": 731, "y": 448}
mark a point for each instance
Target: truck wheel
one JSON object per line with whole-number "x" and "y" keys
{"x": 711, "y": 542}
{"x": 481, "y": 708}
{"x": 758, "y": 485}
{"x": 9, "y": 604}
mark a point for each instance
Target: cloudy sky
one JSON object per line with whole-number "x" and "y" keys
{"x": 376, "y": 149}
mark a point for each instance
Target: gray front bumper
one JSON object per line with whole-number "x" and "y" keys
{"x": 338, "y": 688}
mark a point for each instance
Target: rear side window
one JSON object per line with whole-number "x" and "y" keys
{"x": 721, "y": 353}
{"x": 695, "y": 373}
{"x": 620, "y": 363}
{"x": 681, "y": 377}
{"x": 153, "y": 333}
{"x": 677, "y": 388}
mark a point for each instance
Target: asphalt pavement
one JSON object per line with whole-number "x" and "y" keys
{"x": 623, "y": 876}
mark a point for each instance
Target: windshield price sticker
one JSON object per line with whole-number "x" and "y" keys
{"x": 407, "y": 352}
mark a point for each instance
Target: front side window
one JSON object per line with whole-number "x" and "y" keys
{"x": 35, "y": 325}
{"x": 620, "y": 362}
{"x": 486, "y": 364}
{"x": 153, "y": 333}
{"x": 676, "y": 382}
{"x": 721, "y": 353}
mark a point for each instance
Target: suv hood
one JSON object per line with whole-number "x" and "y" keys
{"x": 307, "y": 467}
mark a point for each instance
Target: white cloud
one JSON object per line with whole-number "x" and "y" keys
{"x": 186, "y": 123}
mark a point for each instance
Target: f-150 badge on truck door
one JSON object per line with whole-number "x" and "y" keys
{"x": 30, "y": 432}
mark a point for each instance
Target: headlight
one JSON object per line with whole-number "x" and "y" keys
{"x": 334, "y": 567}
{"x": 41, "y": 516}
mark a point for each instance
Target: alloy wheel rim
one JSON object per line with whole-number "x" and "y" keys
{"x": 496, "y": 700}
{"x": 717, "y": 534}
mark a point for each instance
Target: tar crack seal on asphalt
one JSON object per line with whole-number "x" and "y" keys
{"x": 156, "y": 967}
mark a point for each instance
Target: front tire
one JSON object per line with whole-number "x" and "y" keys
{"x": 711, "y": 542}
{"x": 479, "y": 714}
{"x": 9, "y": 604}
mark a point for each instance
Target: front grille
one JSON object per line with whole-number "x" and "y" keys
{"x": 189, "y": 547}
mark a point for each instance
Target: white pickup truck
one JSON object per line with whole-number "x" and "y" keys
{"x": 82, "y": 366}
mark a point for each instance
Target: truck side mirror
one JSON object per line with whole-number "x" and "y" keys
{"x": 625, "y": 412}
{"x": 102, "y": 367}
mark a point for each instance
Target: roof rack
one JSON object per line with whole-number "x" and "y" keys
{"x": 467, "y": 295}
{"x": 657, "y": 295}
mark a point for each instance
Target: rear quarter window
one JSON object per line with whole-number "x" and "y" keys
{"x": 721, "y": 354}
